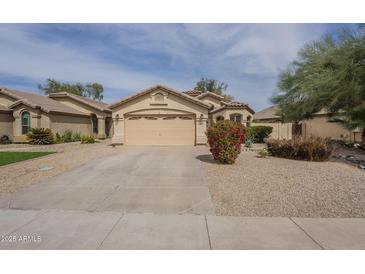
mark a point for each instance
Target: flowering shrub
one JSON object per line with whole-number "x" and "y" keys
{"x": 311, "y": 149}
{"x": 225, "y": 139}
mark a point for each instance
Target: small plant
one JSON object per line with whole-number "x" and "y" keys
{"x": 67, "y": 136}
{"x": 76, "y": 137}
{"x": 225, "y": 139}
{"x": 263, "y": 153}
{"x": 311, "y": 149}
{"x": 257, "y": 134}
{"x": 4, "y": 140}
{"x": 40, "y": 136}
{"x": 248, "y": 143}
{"x": 87, "y": 139}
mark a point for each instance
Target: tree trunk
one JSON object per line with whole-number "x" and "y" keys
{"x": 362, "y": 144}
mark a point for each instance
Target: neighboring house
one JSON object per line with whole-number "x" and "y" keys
{"x": 268, "y": 117}
{"x": 163, "y": 116}
{"x": 21, "y": 111}
{"x": 320, "y": 125}
{"x": 156, "y": 116}
{"x": 101, "y": 115}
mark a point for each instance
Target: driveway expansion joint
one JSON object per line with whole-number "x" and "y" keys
{"x": 306, "y": 233}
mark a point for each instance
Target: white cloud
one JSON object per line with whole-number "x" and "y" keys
{"x": 246, "y": 56}
{"x": 22, "y": 55}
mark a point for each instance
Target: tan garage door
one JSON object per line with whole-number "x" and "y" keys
{"x": 160, "y": 130}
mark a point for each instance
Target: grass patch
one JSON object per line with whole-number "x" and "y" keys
{"x": 8, "y": 157}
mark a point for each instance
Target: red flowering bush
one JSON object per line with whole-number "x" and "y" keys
{"x": 225, "y": 139}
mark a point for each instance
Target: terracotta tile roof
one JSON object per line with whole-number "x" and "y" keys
{"x": 193, "y": 92}
{"x": 208, "y": 93}
{"x": 40, "y": 101}
{"x": 233, "y": 105}
{"x": 90, "y": 102}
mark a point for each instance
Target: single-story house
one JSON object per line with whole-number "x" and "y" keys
{"x": 161, "y": 115}
{"x": 158, "y": 115}
{"x": 320, "y": 125}
{"x": 20, "y": 111}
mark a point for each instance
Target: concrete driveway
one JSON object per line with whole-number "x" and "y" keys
{"x": 137, "y": 180}
{"x": 151, "y": 198}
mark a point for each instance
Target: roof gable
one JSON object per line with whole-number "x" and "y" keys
{"x": 38, "y": 101}
{"x": 234, "y": 105}
{"x": 101, "y": 106}
{"x": 163, "y": 88}
{"x": 210, "y": 94}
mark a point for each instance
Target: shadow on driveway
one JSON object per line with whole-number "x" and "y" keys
{"x": 207, "y": 158}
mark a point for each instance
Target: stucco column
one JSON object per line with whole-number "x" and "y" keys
{"x": 201, "y": 128}
{"x": 118, "y": 134}
{"x": 101, "y": 127}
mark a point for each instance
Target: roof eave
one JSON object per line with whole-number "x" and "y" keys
{"x": 68, "y": 95}
{"x": 165, "y": 88}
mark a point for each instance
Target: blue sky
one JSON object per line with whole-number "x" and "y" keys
{"x": 126, "y": 58}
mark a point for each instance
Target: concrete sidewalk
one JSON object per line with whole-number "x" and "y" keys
{"x": 70, "y": 229}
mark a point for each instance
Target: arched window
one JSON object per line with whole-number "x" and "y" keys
{"x": 236, "y": 117}
{"x": 219, "y": 118}
{"x": 25, "y": 122}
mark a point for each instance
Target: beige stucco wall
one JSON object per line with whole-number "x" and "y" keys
{"x": 6, "y": 124}
{"x": 77, "y": 124}
{"x": 211, "y": 100}
{"x": 172, "y": 105}
{"x": 319, "y": 126}
{"x": 280, "y": 130}
{"x": 227, "y": 112}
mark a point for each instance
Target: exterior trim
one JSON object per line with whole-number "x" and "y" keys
{"x": 164, "y": 88}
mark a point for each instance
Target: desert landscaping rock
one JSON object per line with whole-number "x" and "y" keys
{"x": 281, "y": 187}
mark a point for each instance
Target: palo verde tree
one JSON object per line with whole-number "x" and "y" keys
{"x": 92, "y": 90}
{"x": 329, "y": 75}
{"x": 214, "y": 86}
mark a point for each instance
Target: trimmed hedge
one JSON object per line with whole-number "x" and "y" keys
{"x": 311, "y": 149}
{"x": 40, "y": 136}
{"x": 257, "y": 134}
{"x": 225, "y": 139}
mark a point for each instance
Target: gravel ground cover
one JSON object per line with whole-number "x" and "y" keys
{"x": 69, "y": 155}
{"x": 281, "y": 187}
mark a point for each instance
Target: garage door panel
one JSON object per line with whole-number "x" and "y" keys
{"x": 160, "y": 131}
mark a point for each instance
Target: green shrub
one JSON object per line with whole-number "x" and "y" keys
{"x": 67, "y": 137}
{"x": 59, "y": 138}
{"x": 87, "y": 139}
{"x": 76, "y": 137}
{"x": 225, "y": 139}
{"x": 311, "y": 149}
{"x": 5, "y": 140}
{"x": 258, "y": 133}
{"x": 40, "y": 136}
